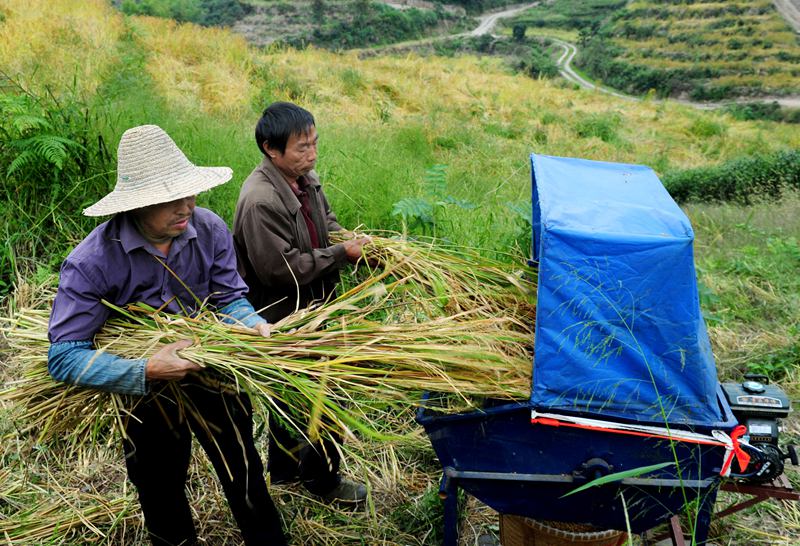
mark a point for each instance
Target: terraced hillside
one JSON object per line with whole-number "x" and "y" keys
{"x": 704, "y": 50}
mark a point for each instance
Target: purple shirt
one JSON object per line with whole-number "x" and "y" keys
{"x": 117, "y": 264}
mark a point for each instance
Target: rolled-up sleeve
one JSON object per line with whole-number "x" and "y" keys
{"x": 76, "y": 363}
{"x": 240, "y": 311}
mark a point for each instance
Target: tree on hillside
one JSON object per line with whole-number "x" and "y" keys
{"x": 586, "y": 33}
{"x": 518, "y": 32}
{"x": 180, "y": 10}
{"x": 318, "y": 9}
{"x": 203, "y": 12}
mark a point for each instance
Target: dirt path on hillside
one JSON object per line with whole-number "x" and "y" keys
{"x": 568, "y": 73}
{"x": 790, "y": 9}
{"x": 489, "y": 20}
{"x": 486, "y": 23}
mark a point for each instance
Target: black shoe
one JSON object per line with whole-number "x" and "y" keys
{"x": 347, "y": 491}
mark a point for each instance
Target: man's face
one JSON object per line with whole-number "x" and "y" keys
{"x": 300, "y": 155}
{"x": 166, "y": 219}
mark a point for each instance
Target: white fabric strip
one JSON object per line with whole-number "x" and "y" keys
{"x": 717, "y": 437}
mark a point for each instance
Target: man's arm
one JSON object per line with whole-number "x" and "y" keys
{"x": 76, "y": 363}
{"x": 78, "y": 314}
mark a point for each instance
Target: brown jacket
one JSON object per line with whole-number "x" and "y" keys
{"x": 274, "y": 249}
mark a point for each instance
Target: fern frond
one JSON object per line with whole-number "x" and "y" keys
{"x": 435, "y": 181}
{"x": 11, "y": 105}
{"x": 52, "y": 148}
{"x": 22, "y": 161}
{"x": 27, "y": 121}
{"x": 414, "y": 209}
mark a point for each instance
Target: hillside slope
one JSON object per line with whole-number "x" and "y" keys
{"x": 704, "y": 51}
{"x": 469, "y": 113}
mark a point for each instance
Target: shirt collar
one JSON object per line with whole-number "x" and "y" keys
{"x": 131, "y": 239}
{"x": 302, "y": 187}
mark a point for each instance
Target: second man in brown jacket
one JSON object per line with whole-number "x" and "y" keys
{"x": 280, "y": 231}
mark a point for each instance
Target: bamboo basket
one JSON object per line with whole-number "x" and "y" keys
{"x": 519, "y": 531}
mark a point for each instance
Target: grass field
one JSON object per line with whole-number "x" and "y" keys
{"x": 384, "y": 122}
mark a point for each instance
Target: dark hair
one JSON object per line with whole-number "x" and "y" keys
{"x": 280, "y": 121}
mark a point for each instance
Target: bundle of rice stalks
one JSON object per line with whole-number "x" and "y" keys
{"x": 339, "y": 372}
{"x": 333, "y": 365}
{"x": 430, "y": 319}
{"x": 455, "y": 278}
{"x": 46, "y": 409}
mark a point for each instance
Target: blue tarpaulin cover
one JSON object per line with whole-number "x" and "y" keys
{"x": 619, "y": 331}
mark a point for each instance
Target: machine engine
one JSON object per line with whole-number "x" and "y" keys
{"x": 760, "y": 407}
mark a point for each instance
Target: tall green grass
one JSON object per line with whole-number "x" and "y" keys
{"x": 747, "y": 258}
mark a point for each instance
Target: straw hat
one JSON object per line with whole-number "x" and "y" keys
{"x": 151, "y": 169}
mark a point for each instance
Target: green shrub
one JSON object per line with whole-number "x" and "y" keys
{"x": 771, "y": 111}
{"x": 203, "y": 12}
{"x": 222, "y": 12}
{"x": 53, "y": 162}
{"x": 744, "y": 180}
{"x": 180, "y": 10}
{"x": 575, "y": 15}
{"x": 603, "y": 126}
{"x": 711, "y": 92}
{"x": 376, "y": 24}
{"x": 538, "y": 64}
{"x": 705, "y": 128}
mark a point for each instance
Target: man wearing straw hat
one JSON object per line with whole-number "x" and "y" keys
{"x": 161, "y": 250}
{"x": 280, "y": 230}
